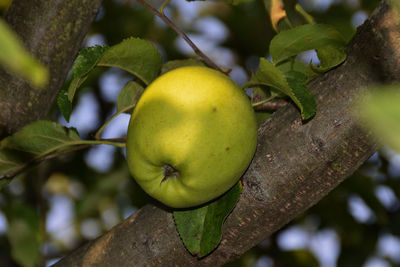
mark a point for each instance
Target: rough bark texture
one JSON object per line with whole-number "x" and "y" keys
{"x": 296, "y": 164}
{"x": 53, "y": 31}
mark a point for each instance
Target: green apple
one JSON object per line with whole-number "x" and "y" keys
{"x": 191, "y": 136}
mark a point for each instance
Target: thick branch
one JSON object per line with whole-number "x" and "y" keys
{"x": 53, "y": 31}
{"x": 296, "y": 164}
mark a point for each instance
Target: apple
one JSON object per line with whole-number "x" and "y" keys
{"x": 191, "y": 136}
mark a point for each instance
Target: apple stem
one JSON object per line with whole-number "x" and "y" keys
{"x": 170, "y": 172}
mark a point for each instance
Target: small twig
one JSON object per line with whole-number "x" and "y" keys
{"x": 270, "y": 105}
{"x": 166, "y": 2}
{"x": 37, "y": 160}
{"x": 259, "y": 102}
{"x": 11, "y": 174}
{"x": 117, "y": 140}
{"x": 98, "y": 133}
{"x": 204, "y": 57}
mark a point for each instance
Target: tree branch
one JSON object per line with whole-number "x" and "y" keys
{"x": 270, "y": 105}
{"x": 53, "y": 32}
{"x": 296, "y": 164}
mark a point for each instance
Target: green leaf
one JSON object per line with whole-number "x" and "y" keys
{"x": 135, "y": 56}
{"x": 302, "y": 96}
{"x": 15, "y": 58}
{"x": 87, "y": 60}
{"x": 74, "y": 85}
{"x": 379, "y": 111}
{"x": 64, "y": 104}
{"x": 201, "y": 228}
{"x": 330, "y": 56}
{"x": 23, "y": 234}
{"x": 129, "y": 95}
{"x": 174, "y": 64}
{"x": 269, "y": 75}
{"x": 84, "y": 63}
{"x": 292, "y": 84}
{"x": 41, "y": 137}
{"x": 303, "y": 38}
{"x": 9, "y": 161}
{"x": 296, "y": 65}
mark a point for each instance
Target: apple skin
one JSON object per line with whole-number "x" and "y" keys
{"x": 191, "y": 136}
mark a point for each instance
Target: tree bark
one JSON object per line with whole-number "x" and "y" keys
{"x": 53, "y": 32}
{"x": 296, "y": 164}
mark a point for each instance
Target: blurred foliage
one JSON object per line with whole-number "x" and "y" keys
{"x": 65, "y": 202}
{"x": 4, "y": 4}
{"x": 16, "y": 59}
{"x": 379, "y": 111}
